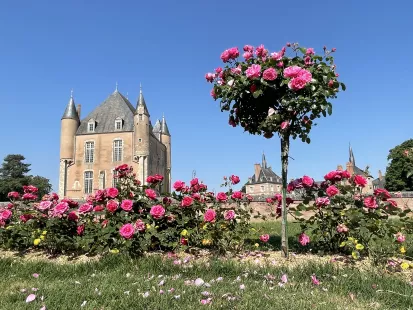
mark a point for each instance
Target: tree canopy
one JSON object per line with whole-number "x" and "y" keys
{"x": 399, "y": 168}
{"x": 13, "y": 175}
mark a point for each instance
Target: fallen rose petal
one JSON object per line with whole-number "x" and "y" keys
{"x": 284, "y": 278}
{"x": 30, "y": 298}
{"x": 199, "y": 282}
{"x": 43, "y": 308}
{"x": 242, "y": 287}
{"x": 145, "y": 295}
{"x": 35, "y": 275}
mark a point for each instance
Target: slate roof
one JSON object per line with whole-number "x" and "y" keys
{"x": 268, "y": 176}
{"x": 157, "y": 127}
{"x": 70, "y": 112}
{"x": 115, "y": 106}
{"x": 377, "y": 183}
{"x": 164, "y": 127}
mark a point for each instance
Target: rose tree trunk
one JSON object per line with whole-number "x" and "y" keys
{"x": 285, "y": 146}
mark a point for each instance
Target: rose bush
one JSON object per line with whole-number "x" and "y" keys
{"x": 130, "y": 218}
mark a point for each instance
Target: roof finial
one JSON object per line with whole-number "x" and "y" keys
{"x": 127, "y": 95}
{"x": 163, "y": 115}
{"x": 71, "y": 93}
{"x": 140, "y": 88}
{"x": 116, "y": 87}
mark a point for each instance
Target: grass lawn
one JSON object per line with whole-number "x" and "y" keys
{"x": 156, "y": 282}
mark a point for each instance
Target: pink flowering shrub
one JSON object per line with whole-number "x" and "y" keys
{"x": 343, "y": 218}
{"x": 130, "y": 218}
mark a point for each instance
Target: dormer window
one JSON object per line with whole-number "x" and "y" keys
{"x": 91, "y": 126}
{"x": 118, "y": 124}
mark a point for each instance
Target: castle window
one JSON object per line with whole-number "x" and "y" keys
{"x": 140, "y": 117}
{"x": 91, "y": 126}
{"x": 262, "y": 188}
{"x": 89, "y": 152}
{"x": 118, "y": 124}
{"x": 251, "y": 189}
{"x": 88, "y": 182}
{"x": 115, "y": 178}
{"x": 117, "y": 150}
{"x": 140, "y": 140}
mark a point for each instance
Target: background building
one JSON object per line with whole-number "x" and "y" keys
{"x": 114, "y": 133}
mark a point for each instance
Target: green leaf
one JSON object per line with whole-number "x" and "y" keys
{"x": 308, "y": 140}
{"x": 302, "y": 50}
{"x": 330, "y": 109}
{"x": 343, "y": 86}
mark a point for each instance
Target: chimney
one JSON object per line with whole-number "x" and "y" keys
{"x": 380, "y": 176}
{"x": 257, "y": 169}
{"x": 349, "y": 168}
{"x": 339, "y": 168}
{"x": 78, "y": 110}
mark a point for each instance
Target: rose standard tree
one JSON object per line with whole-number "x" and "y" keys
{"x": 268, "y": 93}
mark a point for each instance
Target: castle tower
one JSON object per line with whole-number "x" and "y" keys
{"x": 69, "y": 125}
{"x": 142, "y": 131}
{"x": 166, "y": 140}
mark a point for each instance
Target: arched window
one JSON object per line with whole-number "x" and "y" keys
{"x": 117, "y": 150}
{"x": 88, "y": 182}
{"x": 89, "y": 151}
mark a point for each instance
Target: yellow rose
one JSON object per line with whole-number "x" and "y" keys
{"x": 355, "y": 254}
{"x": 148, "y": 226}
{"x": 402, "y": 250}
{"x": 359, "y": 246}
{"x": 206, "y": 242}
{"x": 42, "y": 237}
{"x": 115, "y": 251}
{"x": 256, "y": 245}
{"x": 404, "y": 266}
{"x": 184, "y": 232}
{"x": 36, "y": 241}
{"x": 44, "y": 232}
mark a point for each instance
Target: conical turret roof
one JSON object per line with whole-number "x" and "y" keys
{"x": 164, "y": 127}
{"x": 157, "y": 127}
{"x": 142, "y": 103}
{"x": 70, "y": 112}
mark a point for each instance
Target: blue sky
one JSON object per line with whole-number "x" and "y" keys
{"x": 50, "y": 47}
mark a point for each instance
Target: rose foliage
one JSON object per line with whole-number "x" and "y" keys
{"x": 129, "y": 218}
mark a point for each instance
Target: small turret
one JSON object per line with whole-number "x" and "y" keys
{"x": 69, "y": 124}
{"x": 166, "y": 140}
{"x": 157, "y": 129}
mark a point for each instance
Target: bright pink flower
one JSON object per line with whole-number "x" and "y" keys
{"x": 150, "y": 193}
{"x": 194, "y": 182}
{"x": 210, "y": 215}
{"x": 382, "y": 193}
{"x": 179, "y": 185}
{"x": 30, "y": 189}
{"x": 333, "y": 49}
{"x": 229, "y": 215}
{"x": 112, "y": 192}
{"x": 5, "y": 215}
{"x": 157, "y": 212}
{"x": 213, "y": 95}
{"x": 140, "y": 225}
{"x": 332, "y": 191}
{"x": 14, "y": 195}
{"x": 85, "y": 208}
{"x": 331, "y": 83}
{"x": 112, "y": 205}
{"x": 25, "y": 217}
{"x": 307, "y": 181}
{"x": 247, "y": 55}
{"x": 342, "y": 228}
{"x": 310, "y": 51}
{"x": 360, "y": 181}
{"x": 80, "y": 230}
{"x": 280, "y": 64}
{"x": 400, "y": 237}
{"x": 210, "y": 77}
{"x": 322, "y": 201}
{"x": 303, "y": 239}
{"x": 269, "y": 74}
{"x": 285, "y": 124}
{"x": 254, "y": 71}
{"x": 260, "y": 51}
{"x": 72, "y": 216}
{"x": 370, "y": 202}
{"x": 284, "y": 279}
{"x": 29, "y": 196}
{"x": 127, "y": 205}
{"x": 44, "y": 205}
{"x": 248, "y": 48}
{"x": 187, "y": 201}
{"x": 307, "y": 61}
{"x": 237, "y": 70}
{"x": 292, "y": 72}
{"x": 236, "y": 195}
{"x": 184, "y": 241}
{"x": 265, "y": 238}
{"x": 228, "y": 54}
{"x": 277, "y": 56}
{"x": 314, "y": 280}
{"x": 100, "y": 195}
{"x": 127, "y": 231}
{"x": 60, "y": 208}
{"x": 297, "y": 83}
{"x": 222, "y": 197}
{"x": 234, "y": 179}
{"x": 98, "y": 208}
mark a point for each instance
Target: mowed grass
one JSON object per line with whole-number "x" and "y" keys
{"x": 156, "y": 282}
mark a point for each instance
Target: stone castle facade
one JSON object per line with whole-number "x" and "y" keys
{"x": 114, "y": 133}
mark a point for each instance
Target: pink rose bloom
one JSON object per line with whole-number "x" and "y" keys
{"x": 248, "y": 48}
{"x": 392, "y": 202}
{"x": 85, "y": 208}
{"x": 228, "y": 54}
{"x": 210, "y": 215}
{"x": 61, "y": 208}
{"x": 382, "y": 193}
{"x": 157, "y": 212}
{"x": 5, "y": 215}
{"x": 307, "y": 61}
{"x": 186, "y": 201}
{"x": 280, "y": 64}
{"x": 29, "y": 196}
{"x": 277, "y": 56}
{"x": 229, "y": 215}
{"x": 234, "y": 179}
{"x": 400, "y": 237}
{"x": 127, "y": 205}
{"x": 345, "y": 174}
{"x": 99, "y": 208}
{"x": 237, "y": 70}
{"x": 72, "y": 216}
{"x": 210, "y": 77}
{"x": 254, "y": 71}
{"x": 332, "y": 191}
{"x": 194, "y": 182}
{"x": 150, "y": 193}
{"x": 222, "y": 197}
{"x": 341, "y": 228}
{"x": 303, "y": 239}
{"x": 112, "y": 205}
{"x": 285, "y": 124}
{"x": 30, "y": 189}
{"x": 314, "y": 280}
{"x": 140, "y": 226}
{"x": 331, "y": 83}
{"x": 265, "y": 238}
{"x": 305, "y": 75}
{"x": 112, "y": 192}
{"x": 261, "y": 51}
{"x": 292, "y": 72}
{"x": 236, "y": 195}
{"x": 360, "y": 181}
{"x": 370, "y": 202}
{"x": 225, "y": 56}
{"x": 247, "y": 55}
{"x": 80, "y": 230}
{"x": 270, "y": 74}
{"x": 44, "y": 205}
{"x": 218, "y": 70}
{"x": 127, "y": 231}
{"x": 14, "y": 195}
{"x": 179, "y": 185}
{"x": 322, "y": 201}
{"x": 307, "y": 181}
{"x": 297, "y": 83}
{"x": 310, "y": 51}
{"x": 212, "y": 93}
{"x": 25, "y": 217}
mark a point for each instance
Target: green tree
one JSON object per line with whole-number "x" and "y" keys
{"x": 14, "y": 167}
{"x": 42, "y": 183}
{"x": 400, "y": 166}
